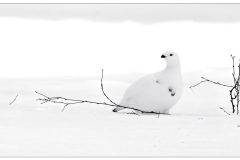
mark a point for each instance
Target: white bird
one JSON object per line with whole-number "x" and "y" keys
{"x": 157, "y": 92}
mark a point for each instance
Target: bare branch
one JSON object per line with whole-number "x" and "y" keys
{"x": 13, "y": 100}
{"x": 233, "y": 92}
{"x": 218, "y": 83}
{"x": 67, "y": 101}
{"x": 64, "y": 107}
{"x": 232, "y": 103}
{"x": 135, "y": 113}
{"x": 207, "y": 80}
{"x": 233, "y": 68}
{"x": 104, "y": 92}
{"x": 238, "y": 87}
{"x": 195, "y": 85}
{"x": 224, "y": 111}
{"x": 42, "y": 95}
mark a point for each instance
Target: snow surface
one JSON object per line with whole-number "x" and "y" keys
{"x": 197, "y": 127}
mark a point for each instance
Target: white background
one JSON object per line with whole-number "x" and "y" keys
{"x": 39, "y": 48}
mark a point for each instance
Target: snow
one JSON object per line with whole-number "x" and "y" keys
{"x": 81, "y": 47}
{"x": 197, "y": 127}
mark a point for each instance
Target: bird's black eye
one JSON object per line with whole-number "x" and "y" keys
{"x": 171, "y": 54}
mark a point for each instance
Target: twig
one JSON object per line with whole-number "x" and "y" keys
{"x": 133, "y": 113}
{"x": 104, "y": 92}
{"x": 233, "y": 68}
{"x": 218, "y": 83}
{"x": 67, "y": 101}
{"x": 208, "y": 80}
{"x": 13, "y": 100}
{"x": 238, "y": 88}
{"x": 195, "y": 85}
{"x": 224, "y": 111}
{"x": 61, "y": 100}
{"x": 233, "y": 92}
{"x": 64, "y": 107}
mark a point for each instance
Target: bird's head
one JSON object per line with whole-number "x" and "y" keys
{"x": 171, "y": 58}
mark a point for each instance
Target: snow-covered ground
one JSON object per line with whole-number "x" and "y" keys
{"x": 197, "y": 127}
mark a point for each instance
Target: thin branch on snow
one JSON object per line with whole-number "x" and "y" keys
{"x": 218, "y": 83}
{"x": 64, "y": 107}
{"x": 67, "y": 101}
{"x": 195, "y": 85}
{"x": 13, "y": 100}
{"x": 133, "y": 113}
{"x": 234, "y": 92}
{"x": 233, "y": 68}
{"x": 104, "y": 92}
{"x": 224, "y": 111}
{"x": 208, "y": 80}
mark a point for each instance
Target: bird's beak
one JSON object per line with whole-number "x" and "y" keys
{"x": 163, "y": 56}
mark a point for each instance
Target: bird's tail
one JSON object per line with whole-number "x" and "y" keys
{"x": 117, "y": 109}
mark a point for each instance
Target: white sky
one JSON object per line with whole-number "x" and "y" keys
{"x": 40, "y": 48}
